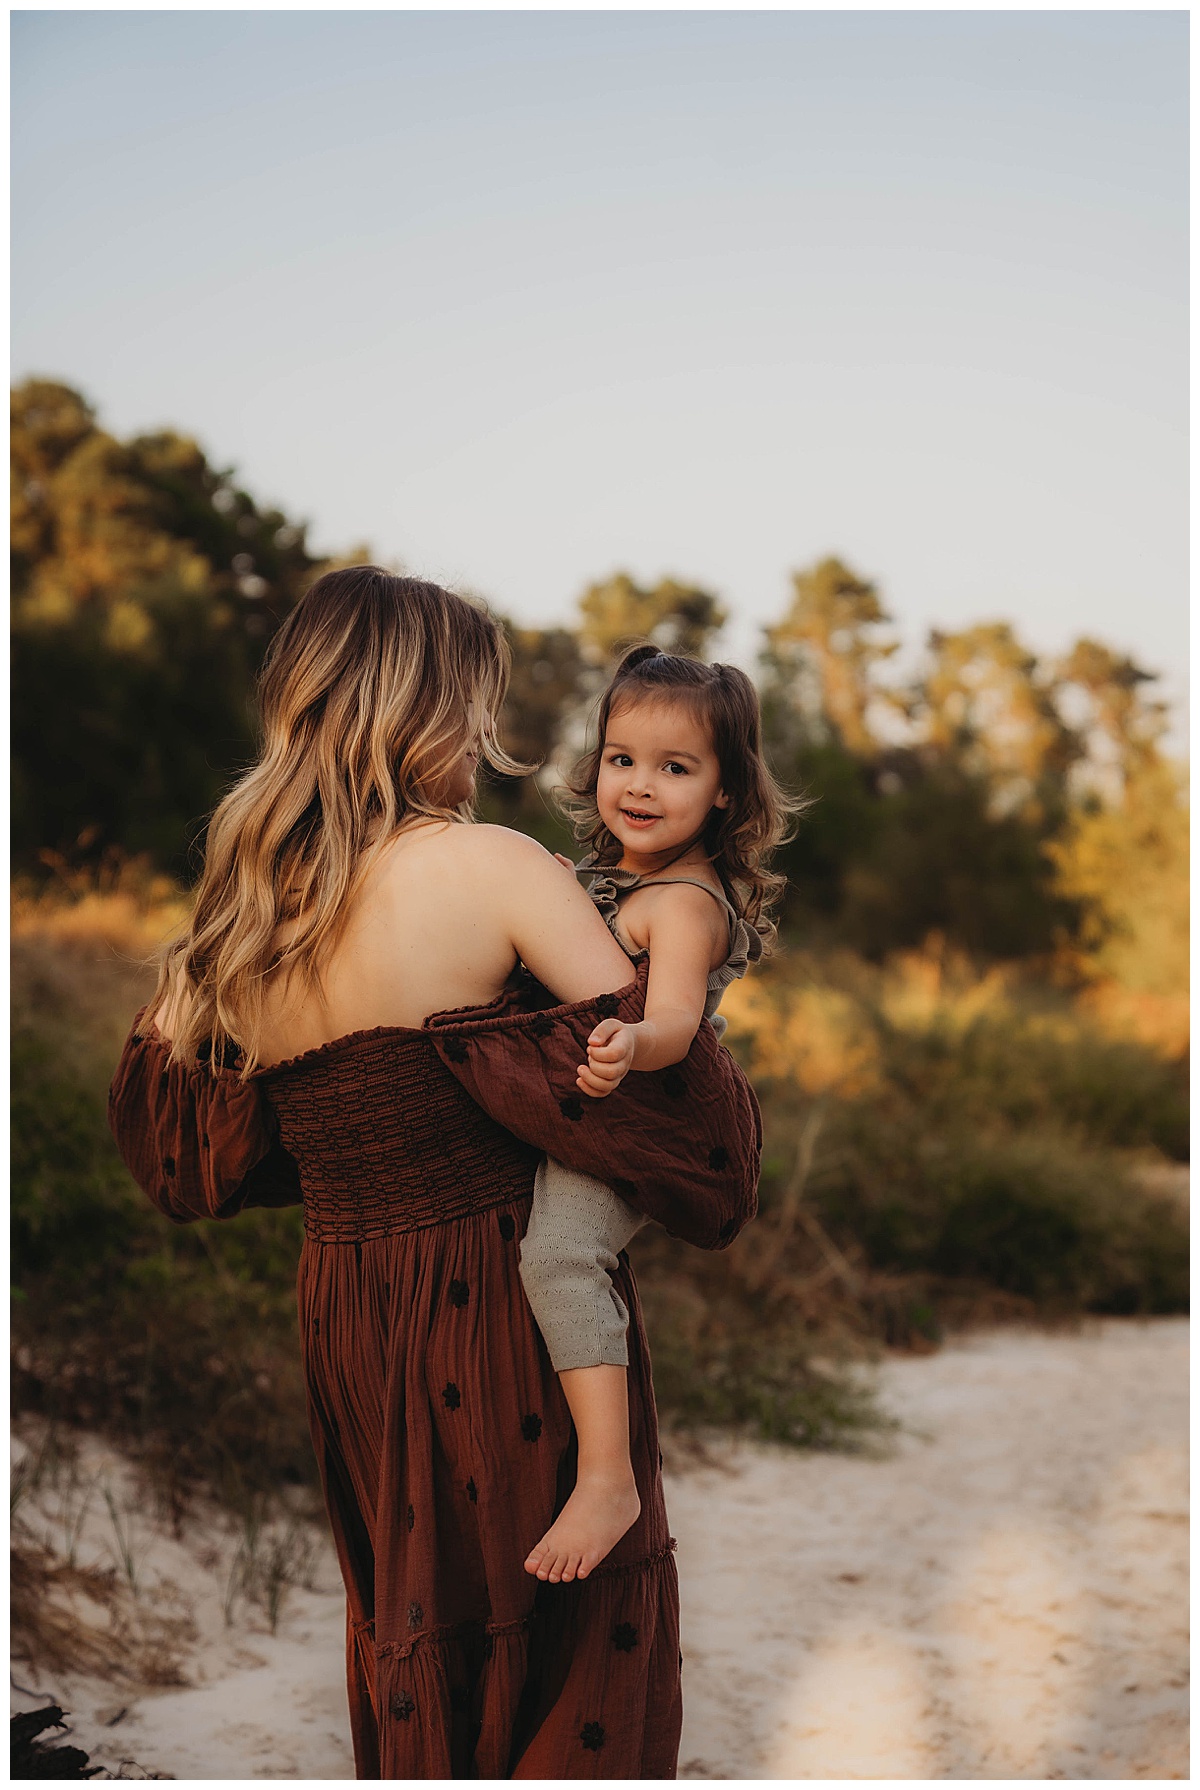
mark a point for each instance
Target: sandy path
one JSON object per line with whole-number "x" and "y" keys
{"x": 1005, "y": 1599}
{"x": 1005, "y": 1596}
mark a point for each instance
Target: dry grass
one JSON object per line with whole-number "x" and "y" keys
{"x": 942, "y": 1146}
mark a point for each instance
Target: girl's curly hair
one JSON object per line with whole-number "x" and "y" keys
{"x": 739, "y": 839}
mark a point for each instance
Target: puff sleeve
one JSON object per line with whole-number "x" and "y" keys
{"x": 682, "y": 1144}
{"x": 199, "y": 1143}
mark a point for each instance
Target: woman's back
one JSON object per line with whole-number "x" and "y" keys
{"x": 439, "y": 922}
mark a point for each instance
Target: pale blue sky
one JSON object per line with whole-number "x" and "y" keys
{"x": 522, "y": 298}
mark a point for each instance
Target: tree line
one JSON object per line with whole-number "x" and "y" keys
{"x": 1003, "y": 800}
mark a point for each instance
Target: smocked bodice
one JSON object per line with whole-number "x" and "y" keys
{"x": 381, "y": 1130}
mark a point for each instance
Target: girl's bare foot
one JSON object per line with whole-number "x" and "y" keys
{"x": 589, "y": 1526}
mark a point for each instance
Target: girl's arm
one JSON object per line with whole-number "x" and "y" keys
{"x": 684, "y": 928}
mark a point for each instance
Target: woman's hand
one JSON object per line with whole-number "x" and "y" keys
{"x": 610, "y": 1049}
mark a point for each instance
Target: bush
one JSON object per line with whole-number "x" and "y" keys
{"x": 1032, "y": 1214}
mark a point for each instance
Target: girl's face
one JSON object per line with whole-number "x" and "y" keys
{"x": 659, "y": 777}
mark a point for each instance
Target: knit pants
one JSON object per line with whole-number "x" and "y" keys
{"x": 576, "y": 1230}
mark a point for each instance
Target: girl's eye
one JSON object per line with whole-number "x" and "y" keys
{"x": 620, "y": 758}
{"x": 672, "y": 766}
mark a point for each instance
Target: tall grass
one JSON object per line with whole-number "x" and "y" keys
{"x": 182, "y": 1341}
{"x": 942, "y": 1146}
{"x": 960, "y": 1141}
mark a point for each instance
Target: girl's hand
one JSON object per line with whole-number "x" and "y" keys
{"x": 610, "y": 1058}
{"x": 565, "y": 862}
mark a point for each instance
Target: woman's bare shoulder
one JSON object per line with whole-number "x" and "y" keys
{"x": 476, "y": 853}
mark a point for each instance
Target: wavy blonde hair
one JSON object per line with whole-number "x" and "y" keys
{"x": 371, "y": 692}
{"x": 739, "y": 839}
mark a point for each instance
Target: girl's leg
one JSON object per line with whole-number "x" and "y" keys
{"x": 576, "y": 1229}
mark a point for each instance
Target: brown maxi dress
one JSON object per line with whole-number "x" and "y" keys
{"x": 444, "y": 1443}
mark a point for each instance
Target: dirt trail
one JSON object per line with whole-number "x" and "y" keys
{"x": 1007, "y": 1598}
{"x": 1005, "y": 1595}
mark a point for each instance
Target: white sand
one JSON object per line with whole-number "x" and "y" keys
{"x": 1004, "y": 1596}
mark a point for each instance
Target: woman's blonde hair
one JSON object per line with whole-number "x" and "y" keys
{"x": 371, "y": 692}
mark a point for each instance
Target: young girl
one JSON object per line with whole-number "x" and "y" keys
{"x": 682, "y": 814}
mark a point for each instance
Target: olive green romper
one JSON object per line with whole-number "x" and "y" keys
{"x": 578, "y": 1226}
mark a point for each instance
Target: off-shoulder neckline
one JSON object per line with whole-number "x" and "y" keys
{"x": 361, "y": 1036}
{"x": 483, "y": 1013}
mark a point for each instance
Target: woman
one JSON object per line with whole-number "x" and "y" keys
{"x": 343, "y": 901}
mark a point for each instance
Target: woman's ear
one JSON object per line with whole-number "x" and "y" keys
{"x": 721, "y": 800}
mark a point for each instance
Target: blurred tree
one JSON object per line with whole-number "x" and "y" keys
{"x": 94, "y": 519}
{"x": 820, "y": 660}
{"x": 1121, "y": 726}
{"x": 681, "y": 618}
{"x": 1125, "y": 863}
{"x": 940, "y": 860}
{"x": 547, "y": 686}
{"x": 547, "y": 681}
{"x": 48, "y": 422}
{"x": 933, "y": 833}
{"x": 146, "y": 587}
{"x": 988, "y": 707}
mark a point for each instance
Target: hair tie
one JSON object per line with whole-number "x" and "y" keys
{"x": 639, "y": 655}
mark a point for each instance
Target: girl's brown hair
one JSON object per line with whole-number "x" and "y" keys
{"x": 739, "y": 839}
{"x": 371, "y": 692}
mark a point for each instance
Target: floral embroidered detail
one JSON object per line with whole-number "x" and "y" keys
{"x": 459, "y": 1293}
{"x": 674, "y": 1084}
{"x": 416, "y": 1615}
{"x": 592, "y": 1736}
{"x": 718, "y": 1158}
{"x": 472, "y": 1491}
{"x": 412, "y": 1517}
{"x": 456, "y": 1050}
{"x": 402, "y": 1706}
{"x": 606, "y": 1006}
{"x": 508, "y": 1226}
{"x": 571, "y": 1107}
{"x": 624, "y": 1637}
{"x": 531, "y": 1426}
{"x": 541, "y": 1025}
{"x": 451, "y": 1396}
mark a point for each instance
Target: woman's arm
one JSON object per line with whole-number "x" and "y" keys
{"x": 682, "y": 1146}
{"x": 553, "y": 926}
